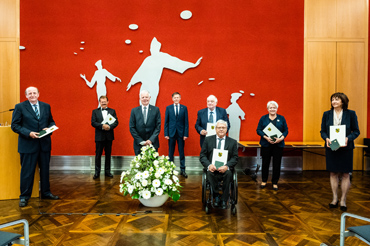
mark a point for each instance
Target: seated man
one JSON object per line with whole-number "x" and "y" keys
{"x": 219, "y": 141}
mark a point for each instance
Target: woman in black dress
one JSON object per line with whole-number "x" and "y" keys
{"x": 339, "y": 162}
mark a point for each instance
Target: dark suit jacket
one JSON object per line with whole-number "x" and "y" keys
{"x": 149, "y": 131}
{"x": 96, "y": 122}
{"x": 280, "y": 124}
{"x": 24, "y": 121}
{"x": 207, "y": 151}
{"x": 179, "y": 124}
{"x": 202, "y": 120}
{"x": 349, "y": 118}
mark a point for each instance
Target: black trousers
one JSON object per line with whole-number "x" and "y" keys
{"x": 107, "y": 147}
{"x": 180, "y": 145}
{"x": 276, "y": 153}
{"x": 29, "y": 162}
{"x": 215, "y": 177}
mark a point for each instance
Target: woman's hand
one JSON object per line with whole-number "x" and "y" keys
{"x": 269, "y": 139}
{"x": 328, "y": 142}
{"x": 278, "y": 140}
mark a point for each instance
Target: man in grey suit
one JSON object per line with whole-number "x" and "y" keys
{"x": 104, "y": 135}
{"x": 219, "y": 141}
{"x": 211, "y": 114}
{"x": 29, "y": 118}
{"x": 145, "y": 123}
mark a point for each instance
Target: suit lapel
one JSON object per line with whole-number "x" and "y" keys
{"x": 344, "y": 117}
{"x": 331, "y": 119}
{"x": 31, "y": 110}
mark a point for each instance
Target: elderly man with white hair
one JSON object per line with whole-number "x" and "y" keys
{"x": 211, "y": 114}
{"x": 272, "y": 147}
{"x": 224, "y": 173}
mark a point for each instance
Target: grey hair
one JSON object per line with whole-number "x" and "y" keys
{"x": 272, "y": 102}
{"x": 25, "y": 92}
{"x": 146, "y": 91}
{"x": 213, "y": 97}
{"x": 221, "y": 122}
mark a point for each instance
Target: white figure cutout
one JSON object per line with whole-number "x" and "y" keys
{"x": 234, "y": 111}
{"x": 99, "y": 78}
{"x": 150, "y": 71}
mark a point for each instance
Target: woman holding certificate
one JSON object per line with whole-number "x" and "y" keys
{"x": 339, "y": 129}
{"x": 273, "y": 130}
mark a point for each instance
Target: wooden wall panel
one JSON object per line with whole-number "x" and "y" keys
{"x": 9, "y": 18}
{"x": 352, "y": 18}
{"x": 322, "y": 18}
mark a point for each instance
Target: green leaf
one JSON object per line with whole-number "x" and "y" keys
{"x": 176, "y": 197}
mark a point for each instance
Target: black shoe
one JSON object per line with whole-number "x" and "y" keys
{"x": 183, "y": 173}
{"x": 23, "y": 202}
{"x": 331, "y": 205}
{"x": 109, "y": 175}
{"x": 50, "y": 197}
{"x": 275, "y": 187}
{"x": 217, "y": 201}
{"x": 223, "y": 205}
{"x": 96, "y": 176}
{"x": 343, "y": 208}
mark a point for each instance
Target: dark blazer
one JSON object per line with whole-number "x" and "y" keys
{"x": 149, "y": 131}
{"x": 202, "y": 119}
{"x": 207, "y": 151}
{"x": 24, "y": 121}
{"x": 280, "y": 124}
{"x": 179, "y": 124}
{"x": 96, "y": 122}
{"x": 349, "y": 118}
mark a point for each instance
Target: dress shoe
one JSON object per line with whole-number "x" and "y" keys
{"x": 343, "y": 208}
{"x": 96, "y": 176}
{"x": 109, "y": 175}
{"x": 331, "y": 205}
{"x": 275, "y": 187}
{"x": 217, "y": 201}
{"x": 50, "y": 197}
{"x": 223, "y": 205}
{"x": 22, "y": 202}
{"x": 183, "y": 173}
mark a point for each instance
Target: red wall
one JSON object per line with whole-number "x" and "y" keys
{"x": 254, "y": 46}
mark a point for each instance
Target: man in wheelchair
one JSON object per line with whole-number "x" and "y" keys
{"x": 223, "y": 172}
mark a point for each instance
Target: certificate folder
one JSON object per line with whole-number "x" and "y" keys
{"x": 46, "y": 132}
{"x": 271, "y": 131}
{"x": 211, "y": 129}
{"x": 338, "y": 133}
{"x": 334, "y": 145}
{"x": 219, "y": 157}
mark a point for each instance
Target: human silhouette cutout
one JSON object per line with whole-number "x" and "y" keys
{"x": 99, "y": 78}
{"x": 234, "y": 111}
{"x": 150, "y": 71}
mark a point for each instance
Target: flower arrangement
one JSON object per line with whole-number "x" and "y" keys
{"x": 150, "y": 175}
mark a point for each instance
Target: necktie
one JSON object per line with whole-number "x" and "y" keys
{"x": 144, "y": 114}
{"x": 210, "y": 119}
{"x": 37, "y": 112}
{"x": 177, "y": 110}
{"x": 219, "y": 143}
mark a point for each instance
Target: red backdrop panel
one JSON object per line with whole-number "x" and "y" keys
{"x": 253, "y": 46}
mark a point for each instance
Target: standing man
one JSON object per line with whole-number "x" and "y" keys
{"x": 220, "y": 141}
{"x": 176, "y": 128}
{"x": 104, "y": 135}
{"x": 210, "y": 114}
{"x": 145, "y": 123}
{"x": 29, "y": 118}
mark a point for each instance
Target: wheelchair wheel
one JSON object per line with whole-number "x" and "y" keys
{"x": 204, "y": 189}
{"x": 233, "y": 209}
{"x": 207, "y": 209}
{"x": 235, "y": 188}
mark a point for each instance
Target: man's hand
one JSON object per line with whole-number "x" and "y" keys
{"x": 34, "y": 134}
{"x": 106, "y": 127}
{"x": 212, "y": 168}
{"x": 185, "y": 138}
{"x": 203, "y": 132}
{"x": 148, "y": 142}
{"x": 223, "y": 169}
{"x": 167, "y": 137}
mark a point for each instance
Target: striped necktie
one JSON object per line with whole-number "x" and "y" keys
{"x": 37, "y": 112}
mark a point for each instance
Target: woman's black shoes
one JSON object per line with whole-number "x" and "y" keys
{"x": 343, "y": 208}
{"x": 334, "y": 205}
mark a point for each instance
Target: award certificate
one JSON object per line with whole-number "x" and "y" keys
{"x": 338, "y": 133}
{"x": 211, "y": 129}
{"x": 271, "y": 130}
{"x": 219, "y": 157}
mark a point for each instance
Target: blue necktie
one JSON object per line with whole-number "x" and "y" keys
{"x": 210, "y": 119}
{"x": 37, "y": 112}
{"x": 177, "y": 110}
{"x": 219, "y": 143}
{"x": 144, "y": 115}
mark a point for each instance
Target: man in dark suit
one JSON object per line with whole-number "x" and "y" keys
{"x": 211, "y": 114}
{"x": 29, "y": 118}
{"x": 104, "y": 135}
{"x": 145, "y": 123}
{"x": 219, "y": 141}
{"x": 176, "y": 128}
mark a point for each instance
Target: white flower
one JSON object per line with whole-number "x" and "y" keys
{"x": 138, "y": 175}
{"x": 176, "y": 172}
{"x": 151, "y": 169}
{"x": 176, "y": 179}
{"x": 137, "y": 165}
{"x": 146, "y": 194}
{"x": 145, "y": 174}
{"x": 156, "y": 154}
{"x": 156, "y": 183}
{"x": 144, "y": 182}
{"x": 130, "y": 189}
{"x": 159, "y": 192}
{"x": 155, "y": 163}
{"x": 157, "y": 175}
{"x": 161, "y": 170}
{"x": 168, "y": 181}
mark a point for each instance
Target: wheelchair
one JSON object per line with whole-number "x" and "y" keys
{"x": 207, "y": 192}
